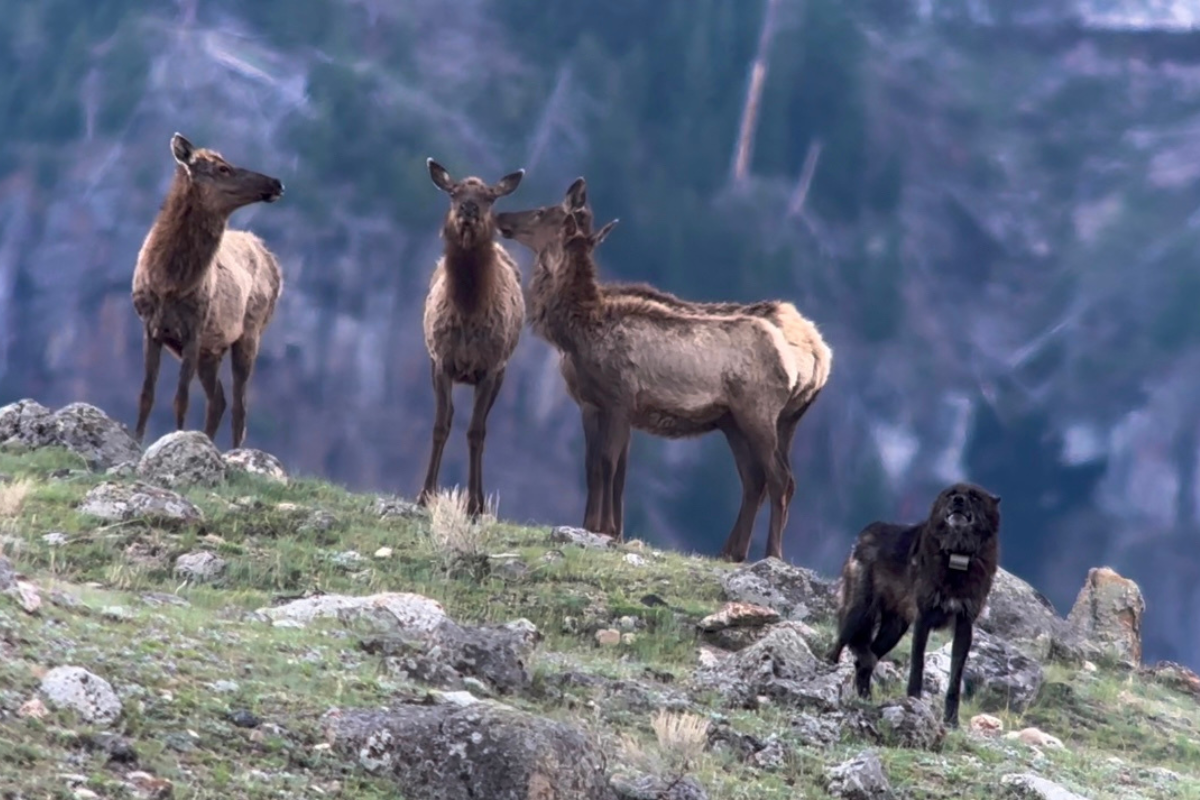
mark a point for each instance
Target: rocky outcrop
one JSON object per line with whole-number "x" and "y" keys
{"x": 446, "y": 752}
{"x": 793, "y": 592}
{"x": 118, "y": 502}
{"x": 79, "y": 427}
{"x": 1108, "y": 612}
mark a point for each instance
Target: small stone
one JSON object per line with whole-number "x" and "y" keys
{"x": 116, "y": 612}
{"x": 459, "y": 698}
{"x": 383, "y": 552}
{"x": 628, "y": 638}
{"x": 26, "y": 595}
{"x": 55, "y": 538}
{"x": 348, "y": 559}
{"x": 87, "y": 694}
{"x": 146, "y": 785}
{"x": 84, "y": 794}
{"x": 578, "y": 536}
{"x": 32, "y": 708}
{"x": 255, "y": 462}
{"x": 1033, "y": 787}
{"x": 986, "y": 725}
{"x": 200, "y": 565}
{"x": 1088, "y": 666}
{"x": 244, "y": 719}
{"x": 224, "y": 686}
{"x": 608, "y": 637}
{"x": 860, "y": 778}
{"x": 634, "y": 560}
{"x": 395, "y": 507}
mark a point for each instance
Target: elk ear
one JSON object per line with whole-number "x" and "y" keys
{"x": 508, "y": 184}
{"x": 183, "y": 150}
{"x": 600, "y": 235}
{"x": 577, "y": 195}
{"x": 441, "y": 178}
{"x": 570, "y": 227}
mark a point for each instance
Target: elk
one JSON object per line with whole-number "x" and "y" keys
{"x": 538, "y": 228}
{"x": 473, "y": 316}
{"x": 202, "y": 289}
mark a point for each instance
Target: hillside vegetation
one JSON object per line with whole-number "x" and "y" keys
{"x": 170, "y": 577}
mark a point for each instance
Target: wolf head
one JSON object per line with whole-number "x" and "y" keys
{"x": 964, "y": 519}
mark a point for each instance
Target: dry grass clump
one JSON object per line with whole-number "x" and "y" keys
{"x": 680, "y": 738}
{"x": 12, "y": 497}
{"x": 461, "y": 544}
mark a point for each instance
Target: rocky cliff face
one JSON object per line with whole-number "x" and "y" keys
{"x": 1020, "y": 312}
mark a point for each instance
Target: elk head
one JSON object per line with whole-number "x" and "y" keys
{"x": 542, "y": 227}
{"x": 221, "y": 187}
{"x": 470, "y": 220}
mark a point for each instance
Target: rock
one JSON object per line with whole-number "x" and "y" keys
{"x": 445, "y": 752}
{"x": 1174, "y": 676}
{"x": 28, "y": 423}
{"x": 383, "y": 553}
{"x": 795, "y": 593}
{"x": 997, "y": 675}
{"x": 27, "y": 596}
{"x": 255, "y": 462}
{"x": 117, "y": 502}
{"x": 200, "y": 565}
{"x": 55, "y": 538}
{"x": 88, "y": 695}
{"x": 780, "y": 666}
{"x": 126, "y": 469}
{"x": 411, "y": 612}
{"x": 395, "y": 507}
{"x": 348, "y": 559}
{"x": 817, "y": 731}
{"x": 908, "y": 722}
{"x": 986, "y": 725}
{"x": 564, "y": 534}
{"x": 244, "y": 719}
{"x": 182, "y": 458}
{"x": 8, "y": 575}
{"x": 1035, "y": 738}
{"x": 860, "y": 778}
{"x": 1108, "y": 611}
{"x": 634, "y": 560}
{"x": 100, "y": 440}
{"x": 772, "y": 756}
{"x": 652, "y": 787}
{"x": 614, "y": 696}
{"x": 736, "y": 625}
{"x": 1022, "y": 616}
{"x": 450, "y": 654}
{"x": 1026, "y": 786}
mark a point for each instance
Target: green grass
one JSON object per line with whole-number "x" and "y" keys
{"x": 1121, "y": 734}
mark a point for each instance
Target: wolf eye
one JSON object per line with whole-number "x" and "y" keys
{"x": 224, "y": 169}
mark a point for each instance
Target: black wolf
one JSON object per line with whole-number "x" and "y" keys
{"x": 928, "y": 575}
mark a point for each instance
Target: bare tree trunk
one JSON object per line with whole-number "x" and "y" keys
{"x": 796, "y": 205}
{"x": 758, "y": 78}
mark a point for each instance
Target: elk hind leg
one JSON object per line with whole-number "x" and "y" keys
{"x": 243, "y": 354}
{"x": 754, "y": 483}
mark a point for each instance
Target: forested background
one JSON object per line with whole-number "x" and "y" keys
{"x": 996, "y": 232}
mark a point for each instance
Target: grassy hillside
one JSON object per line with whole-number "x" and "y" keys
{"x": 221, "y": 703}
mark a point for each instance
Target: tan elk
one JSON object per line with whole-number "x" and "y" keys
{"x": 539, "y": 229}
{"x": 473, "y": 317}
{"x": 201, "y": 289}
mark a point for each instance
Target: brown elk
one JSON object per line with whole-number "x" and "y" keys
{"x": 538, "y": 229}
{"x": 473, "y": 317}
{"x": 201, "y": 289}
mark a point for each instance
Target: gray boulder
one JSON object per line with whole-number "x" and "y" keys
{"x": 255, "y": 462}
{"x": 118, "y": 502}
{"x": 1027, "y": 786}
{"x": 100, "y": 440}
{"x": 860, "y": 778}
{"x": 796, "y": 593}
{"x": 448, "y": 752}
{"x": 652, "y": 787}
{"x": 997, "y": 674}
{"x": 90, "y": 696}
{"x": 27, "y": 423}
{"x": 182, "y": 458}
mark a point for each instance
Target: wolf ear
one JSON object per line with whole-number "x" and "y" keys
{"x": 995, "y": 499}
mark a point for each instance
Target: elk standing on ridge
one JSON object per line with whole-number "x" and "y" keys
{"x": 539, "y": 229}
{"x": 201, "y": 289}
{"x": 473, "y": 317}
{"x": 639, "y": 364}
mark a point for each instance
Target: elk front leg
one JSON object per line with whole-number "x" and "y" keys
{"x": 754, "y": 486}
{"x": 152, "y": 355}
{"x": 485, "y": 397}
{"x": 443, "y": 417}
{"x": 189, "y": 359}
